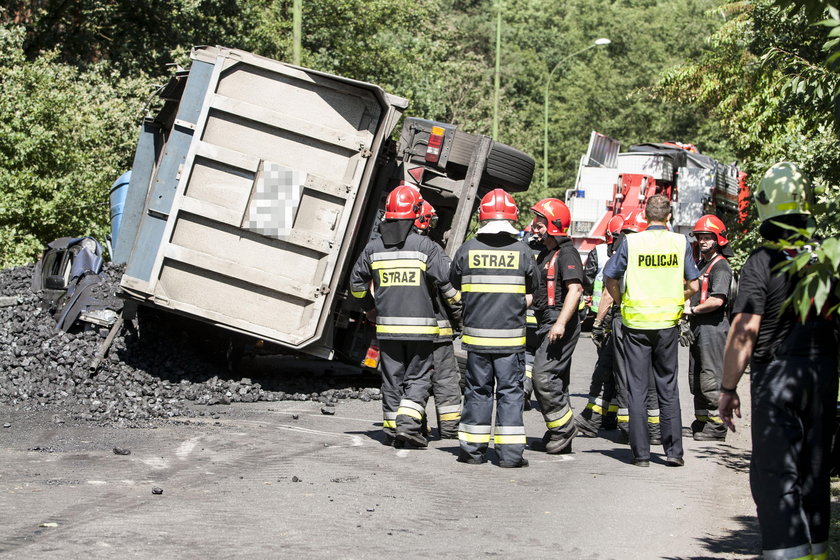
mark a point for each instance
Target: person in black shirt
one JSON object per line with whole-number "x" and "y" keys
{"x": 793, "y": 368}
{"x": 555, "y": 306}
{"x": 706, "y": 312}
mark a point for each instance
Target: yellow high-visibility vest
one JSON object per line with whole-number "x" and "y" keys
{"x": 653, "y": 293}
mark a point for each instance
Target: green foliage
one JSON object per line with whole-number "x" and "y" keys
{"x": 65, "y": 135}
{"x": 73, "y": 58}
{"x": 765, "y": 78}
{"x": 816, "y": 267}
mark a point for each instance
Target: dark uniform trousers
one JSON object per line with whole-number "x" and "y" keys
{"x": 793, "y": 408}
{"x": 705, "y": 374}
{"x": 621, "y": 398}
{"x": 446, "y": 388}
{"x": 406, "y": 380}
{"x": 507, "y": 373}
{"x": 656, "y": 348}
{"x": 531, "y": 345}
{"x": 552, "y": 369}
{"x": 602, "y": 387}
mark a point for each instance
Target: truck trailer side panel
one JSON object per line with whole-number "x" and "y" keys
{"x": 265, "y": 200}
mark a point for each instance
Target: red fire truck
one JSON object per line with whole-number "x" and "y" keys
{"x": 612, "y": 182}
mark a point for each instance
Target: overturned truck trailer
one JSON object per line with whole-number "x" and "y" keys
{"x": 257, "y": 184}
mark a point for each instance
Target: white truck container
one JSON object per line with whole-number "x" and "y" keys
{"x": 257, "y": 184}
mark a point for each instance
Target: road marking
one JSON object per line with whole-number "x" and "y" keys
{"x": 402, "y": 453}
{"x": 155, "y": 462}
{"x": 97, "y": 482}
{"x": 186, "y": 447}
{"x": 368, "y": 420}
{"x": 561, "y": 459}
{"x": 356, "y": 441}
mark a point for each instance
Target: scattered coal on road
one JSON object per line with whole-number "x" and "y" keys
{"x": 158, "y": 366}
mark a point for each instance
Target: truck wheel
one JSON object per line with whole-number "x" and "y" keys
{"x": 507, "y": 167}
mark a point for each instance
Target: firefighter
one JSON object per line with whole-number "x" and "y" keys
{"x": 706, "y": 311}
{"x": 446, "y": 378}
{"x": 531, "y": 342}
{"x": 601, "y": 411}
{"x": 793, "y": 367}
{"x": 659, "y": 274}
{"x": 402, "y": 266}
{"x": 496, "y": 275}
{"x": 635, "y": 222}
{"x": 555, "y": 305}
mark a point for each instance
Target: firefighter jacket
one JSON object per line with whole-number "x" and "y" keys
{"x": 494, "y": 272}
{"x": 447, "y": 307}
{"x": 593, "y": 272}
{"x": 403, "y": 277}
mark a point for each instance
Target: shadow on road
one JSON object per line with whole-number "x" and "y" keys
{"x": 725, "y": 455}
{"x": 742, "y": 539}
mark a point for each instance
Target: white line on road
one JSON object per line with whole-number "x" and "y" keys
{"x": 186, "y": 447}
{"x": 356, "y": 441}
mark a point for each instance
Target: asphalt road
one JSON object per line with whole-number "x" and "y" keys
{"x": 282, "y": 480}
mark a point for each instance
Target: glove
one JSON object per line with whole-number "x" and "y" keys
{"x": 598, "y": 333}
{"x": 686, "y": 336}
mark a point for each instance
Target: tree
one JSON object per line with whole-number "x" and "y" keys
{"x": 65, "y": 135}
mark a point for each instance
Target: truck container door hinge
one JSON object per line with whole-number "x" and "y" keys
{"x": 364, "y": 151}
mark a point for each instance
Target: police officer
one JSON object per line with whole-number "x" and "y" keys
{"x": 495, "y": 273}
{"x": 634, "y": 222}
{"x": 403, "y": 266}
{"x": 793, "y": 367}
{"x": 655, "y": 265}
{"x": 602, "y": 387}
{"x": 555, "y": 305}
{"x": 446, "y": 378}
{"x": 706, "y": 311}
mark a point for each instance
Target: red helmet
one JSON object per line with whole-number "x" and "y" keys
{"x": 614, "y": 227}
{"x": 427, "y": 217}
{"x": 403, "y": 203}
{"x": 712, "y": 224}
{"x": 556, "y": 213}
{"x": 636, "y": 221}
{"x": 497, "y": 205}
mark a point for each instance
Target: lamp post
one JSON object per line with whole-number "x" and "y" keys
{"x": 596, "y": 43}
{"x": 496, "y": 73}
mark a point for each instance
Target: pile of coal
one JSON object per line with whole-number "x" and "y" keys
{"x": 158, "y": 366}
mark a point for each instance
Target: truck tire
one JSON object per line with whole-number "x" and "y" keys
{"x": 507, "y": 167}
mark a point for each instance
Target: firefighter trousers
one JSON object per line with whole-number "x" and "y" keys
{"x": 531, "y": 344}
{"x": 406, "y": 379}
{"x": 793, "y": 408}
{"x": 620, "y": 375}
{"x": 507, "y": 372}
{"x": 705, "y": 373}
{"x": 552, "y": 369}
{"x": 602, "y": 387}
{"x": 446, "y": 388}
{"x": 656, "y": 349}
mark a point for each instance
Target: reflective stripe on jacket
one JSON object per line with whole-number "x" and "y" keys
{"x": 653, "y": 292}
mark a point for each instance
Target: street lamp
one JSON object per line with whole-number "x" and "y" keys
{"x": 596, "y": 43}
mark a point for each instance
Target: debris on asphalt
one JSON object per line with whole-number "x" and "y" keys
{"x": 7, "y": 425}
{"x": 48, "y": 524}
{"x": 328, "y": 410}
{"x": 122, "y": 451}
{"x": 296, "y": 479}
{"x": 157, "y": 491}
{"x": 156, "y": 367}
